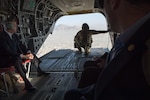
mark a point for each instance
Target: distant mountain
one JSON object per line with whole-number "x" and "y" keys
{"x": 67, "y": 27}
{"x": 76, "y": 27}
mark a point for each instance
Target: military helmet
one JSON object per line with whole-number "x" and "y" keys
{"x": 85, "y": 26}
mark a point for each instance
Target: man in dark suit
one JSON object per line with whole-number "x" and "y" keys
{"x": 126, "y": 75}
{"x": 12, "y": 52}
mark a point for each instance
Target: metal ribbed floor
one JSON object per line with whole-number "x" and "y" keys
{"x": 65, "y": 67}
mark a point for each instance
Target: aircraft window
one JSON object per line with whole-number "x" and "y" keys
{"x": 66, "y": 28}
{"x": 29, "y": 5}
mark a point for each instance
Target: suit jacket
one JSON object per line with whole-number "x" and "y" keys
{"x": 123, "y": 78}
{"x": 7, "y": 51}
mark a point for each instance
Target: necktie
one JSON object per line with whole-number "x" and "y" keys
{"x": 14, "y": 43}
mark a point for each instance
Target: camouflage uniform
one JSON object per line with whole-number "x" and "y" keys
{"x": 83, "y": 39}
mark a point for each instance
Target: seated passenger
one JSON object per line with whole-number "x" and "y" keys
{"x": 12, "y": 52}
{"x": 126, "y": 75}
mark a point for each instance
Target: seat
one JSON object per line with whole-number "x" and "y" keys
{"x": 27, "y": 66}
{"x": 6, "y": 91}
{"x": 89, "y": 76}
{"x": 8, "y": 70}
{"x": 3, "y": 72}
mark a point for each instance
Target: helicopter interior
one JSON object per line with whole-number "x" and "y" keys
{"x": 37, "y": 19}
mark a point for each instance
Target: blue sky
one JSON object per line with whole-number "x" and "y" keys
{"x": 95, "y": 20}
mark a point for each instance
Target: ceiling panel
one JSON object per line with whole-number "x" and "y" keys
{"x": 74, "y": 6}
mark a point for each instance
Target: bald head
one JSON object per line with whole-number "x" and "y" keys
{"x": 121, "y": 14}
